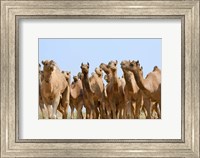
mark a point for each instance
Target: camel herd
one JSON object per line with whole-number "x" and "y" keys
{"x": 119, "y": 98}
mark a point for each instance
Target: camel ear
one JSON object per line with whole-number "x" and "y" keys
{"x": 116, "y": 62}
{"x": 88, "y": 64}
{"x": 63, "y": 72}
{"x": 131, "y": 63}
{"x": 39, "y": 65}
{"x": 43, "y": 62}
{"x": 155, "y": 67}
{"x": 137, "y": 63}
{"x": 69, "y": 72}
{"x": 141, "y": 68}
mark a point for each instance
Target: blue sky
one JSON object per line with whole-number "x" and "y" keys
{"x": 70, "y": 53}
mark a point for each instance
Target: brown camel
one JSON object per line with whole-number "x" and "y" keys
{"x": 52, "y": 87}
{"x": 76, "y": 97}
{"x": 114, "y": 89}
{"x": 151, "y": 86}
{"x": 133, "y": 94}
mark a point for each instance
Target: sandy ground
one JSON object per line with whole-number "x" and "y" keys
{"x": 142, "y": 115}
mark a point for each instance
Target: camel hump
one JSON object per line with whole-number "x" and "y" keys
{"x": 76, "y": 89}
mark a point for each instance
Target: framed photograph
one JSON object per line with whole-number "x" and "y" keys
{"x": 100, "y": 78}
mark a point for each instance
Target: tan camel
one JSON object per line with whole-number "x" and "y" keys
{"x": 151, "y": 86}
{"x": 105, "y": 101}
{"x": 133, "y": 94}
{"x": 65, "y": 100}
{"x": 88, "y": 92}
{"x": 76, "y": 97}
{"x": 96, "y": 81}
{"x": 114, "y": 89}
{"x": 52, "y": 87}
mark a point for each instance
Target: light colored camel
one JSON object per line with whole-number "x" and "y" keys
{"x": 114, "y": 89}
{"x": 76, "y": 97}
{"x": 151, "y": 86}
{"x": 52, "y": 87}
{"x": 41, "y": 103}
{"x": 133, "y": 94}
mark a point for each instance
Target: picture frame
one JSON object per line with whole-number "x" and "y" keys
{"x": 12, "y": 11}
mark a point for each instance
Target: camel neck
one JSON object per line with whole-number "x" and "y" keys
{"x": 85, "y": 75}
{"x": 127, "y": 77}
{"x": 47, "y": 77}
{"x": 115, "y": 81}
{"x": 114, "y": 74}
{"x": 69, "y": 80}
{"x": 139, "y": 80}
{"x": 86, "y": 83}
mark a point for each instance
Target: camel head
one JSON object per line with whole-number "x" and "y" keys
{"x": 105, "y": 68}
{"x": 75, "y": 78}
{"x": 67, "y": 74}
{"x": 134, "y": 67}
{"x": 48, "y": 69}
{"x": 113, "y": 65}
{"x": 80, "y": 75}
{"x": 106, "y": 78}
{"x": 125, "y": 64}
{"x": 85, "y": 68}
{"x": 99, "y": 72}
{"x": 49, "y": 66}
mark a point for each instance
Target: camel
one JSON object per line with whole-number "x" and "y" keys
{"x": 88, "y": 92}
{"x": 105, "y": 101}
{"x": 52, "y": 87}
{"x": 108, "y": 72}
{"x": 96, "y": 81}
{"x": 133, "y": 94}
{"x": 76, "y": 97}
{"x": 151, "y": 86}
{"x": 114, "y": 89}
{"x": 65, "y": 100}
{"x": 41, "y": 103}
